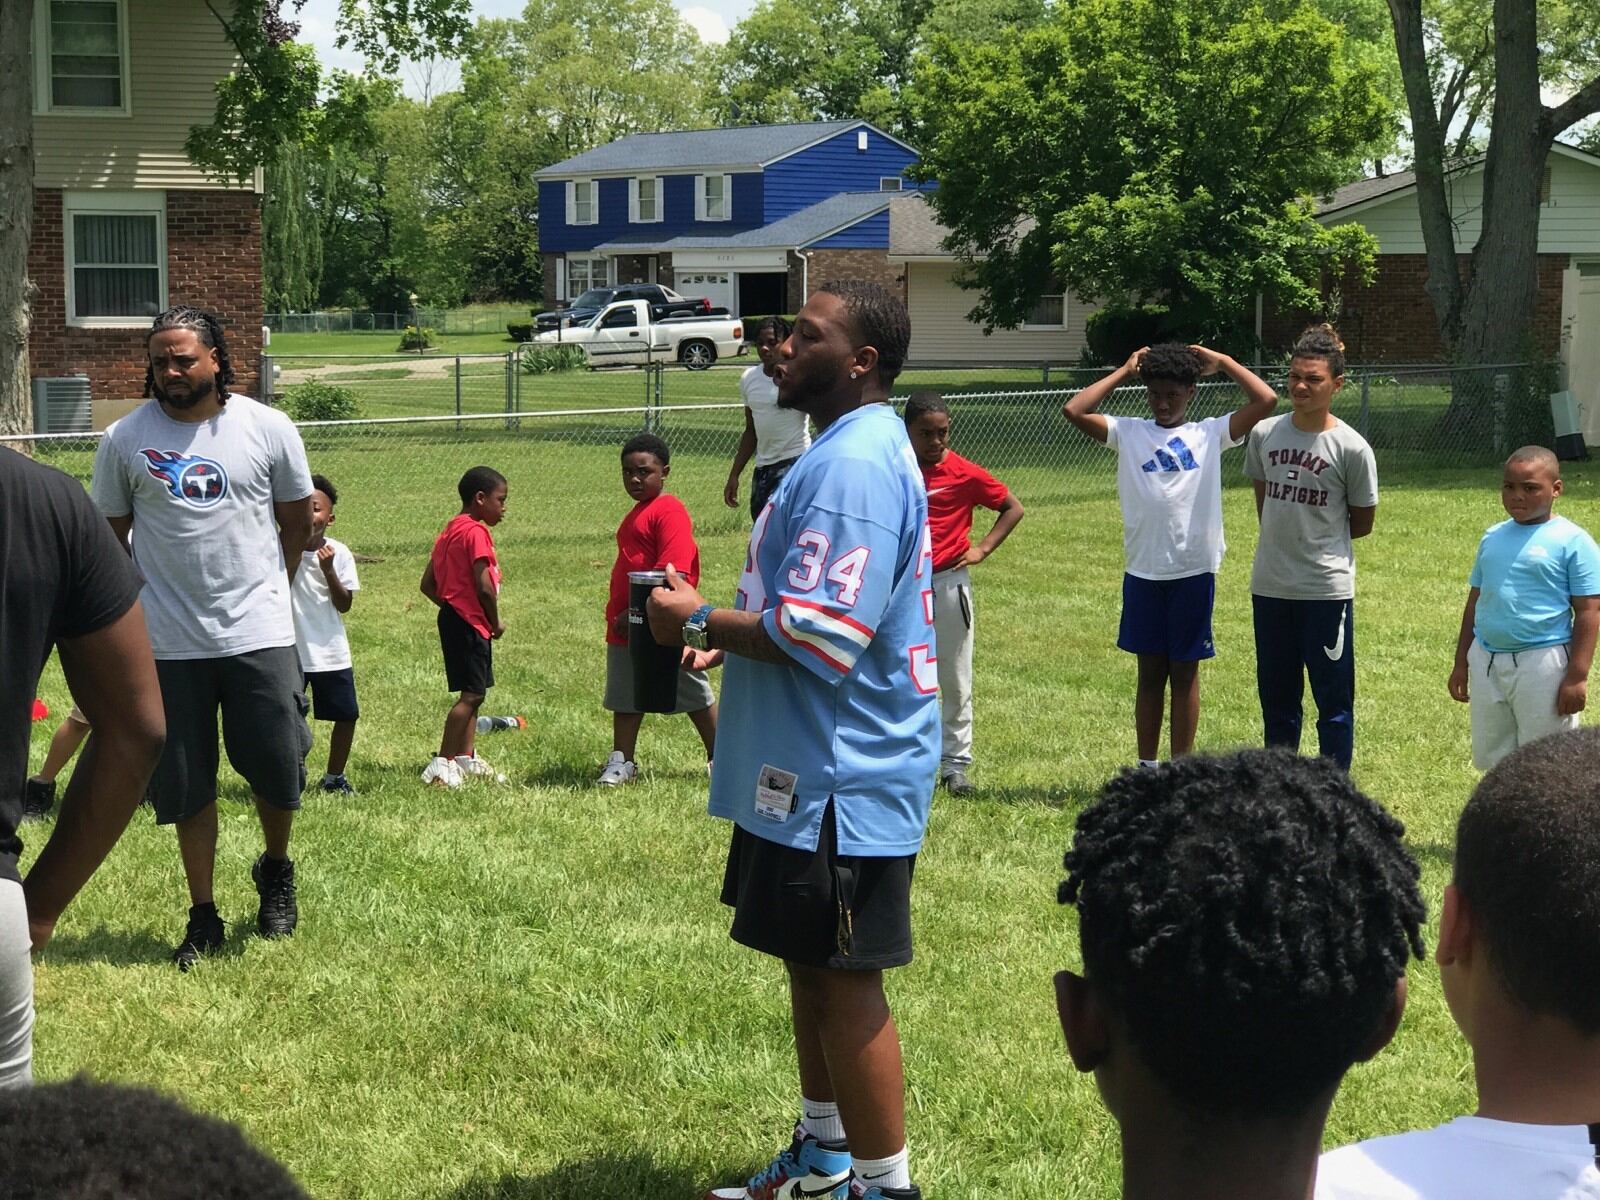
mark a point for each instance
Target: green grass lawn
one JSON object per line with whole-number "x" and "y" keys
{"x": 528, "y": 991}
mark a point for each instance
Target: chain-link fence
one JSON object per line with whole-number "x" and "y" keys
{"x": 556, "y": 436}
{"x": 440, "y": 320}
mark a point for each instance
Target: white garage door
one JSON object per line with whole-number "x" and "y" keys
{"x": 716, "y": 286}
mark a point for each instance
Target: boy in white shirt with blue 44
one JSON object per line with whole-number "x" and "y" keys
{"x": 1528, "y": 631}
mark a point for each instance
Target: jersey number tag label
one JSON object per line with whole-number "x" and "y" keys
{"x": 775, "y": 793}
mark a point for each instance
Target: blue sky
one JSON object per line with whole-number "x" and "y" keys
{"x": 711, "y": 18}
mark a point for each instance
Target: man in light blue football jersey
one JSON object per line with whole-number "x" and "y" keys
{"x": 829, "y": 741}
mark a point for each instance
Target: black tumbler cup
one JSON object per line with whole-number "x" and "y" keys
{"x": 655, "y": 667}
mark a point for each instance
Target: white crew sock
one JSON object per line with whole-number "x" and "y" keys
{"x": 1149, "y": 762}
{"x": 891, "y": 1172}
{"x": 821, "y": 1120}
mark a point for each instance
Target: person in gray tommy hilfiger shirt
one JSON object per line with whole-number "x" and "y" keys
{"x": 1316, "y": 489}
{"x": 220, "y": 491}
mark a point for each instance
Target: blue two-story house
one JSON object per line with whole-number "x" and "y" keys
{"x": 752, "y": 217}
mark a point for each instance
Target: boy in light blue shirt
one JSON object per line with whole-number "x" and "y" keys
{"x": 1528, "y": 632}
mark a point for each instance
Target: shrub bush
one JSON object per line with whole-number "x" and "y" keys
{"x": 547, "y": 360}
{"x": 317, "y": 401}
{"x": 520, "y": 331}
{"x": 1115, "y": 332}
{"x": 417, "y": 339}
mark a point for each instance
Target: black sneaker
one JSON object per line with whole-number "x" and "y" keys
{"x": 274, "y": 882}
{"x": 203, "y": 936}
{"x": 38, "y": 798}
{"x": 956, "y": 782}
{"x": 337, "y": 783}
{"x": 860, "y": 1189}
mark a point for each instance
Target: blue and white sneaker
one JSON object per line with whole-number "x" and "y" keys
{"x": 860, "y": 1189}
{"x": 807, "y": 1170}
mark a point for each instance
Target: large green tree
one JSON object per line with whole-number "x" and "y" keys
{"x": 1523, "y": 51}
{"x": 1162, "y": 151}
{"x": 291, "y": 237}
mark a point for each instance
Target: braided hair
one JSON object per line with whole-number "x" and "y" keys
{"x": 208, "y": 329}
{"x": 1246, "y": 917}
{"x": 777, "y": 325}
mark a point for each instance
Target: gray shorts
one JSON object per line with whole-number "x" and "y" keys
{"x": 263, "y": 729}
{"x": 694, "y": 690}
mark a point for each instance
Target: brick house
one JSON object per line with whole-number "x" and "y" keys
{"x": 1392, "y": 319}
{"x": 123, "y": 223}
{"x": 751, "y": 217}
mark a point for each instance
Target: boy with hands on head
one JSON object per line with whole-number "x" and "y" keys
{"x": 1528, "y": 630}
{"x": 1169, "y": 482}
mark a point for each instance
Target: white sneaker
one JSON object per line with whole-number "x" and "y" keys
{"x": 442, "y": 772}
{"x": 473, "y": 767}
{"x": 618, "y": 770}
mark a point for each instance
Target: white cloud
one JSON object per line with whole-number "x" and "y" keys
{"x": 709, "y": 25}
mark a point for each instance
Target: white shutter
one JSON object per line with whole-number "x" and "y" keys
{"x": 699, "y": 197}
{"x": 572, "y": 203}
{"x": 633, "y": 202}
{"x": 561, "y": 278}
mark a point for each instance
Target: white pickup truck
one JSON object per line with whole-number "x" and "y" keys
{"x": 624, "y": 333}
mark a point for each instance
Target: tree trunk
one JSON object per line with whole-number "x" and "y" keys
{"x": 1433, "y": 204}
{"x": 16, "y": 211}
{"x": 1503, "y": 286}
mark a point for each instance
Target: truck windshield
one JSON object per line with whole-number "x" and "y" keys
{"x": 593, "y": 298}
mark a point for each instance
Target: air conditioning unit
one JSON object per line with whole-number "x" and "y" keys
{"x": 61, "y": 405}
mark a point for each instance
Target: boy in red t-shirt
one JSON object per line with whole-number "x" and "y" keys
{"x": 955, "y": 487}
{"x": 656, "y": 531}
{"x": 463, "y": 579}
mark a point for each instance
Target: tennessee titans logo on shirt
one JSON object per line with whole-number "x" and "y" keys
{"x": 198, "y": 482}
{"x": 1179, "y": 460}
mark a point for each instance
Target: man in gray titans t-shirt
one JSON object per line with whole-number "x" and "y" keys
{"x": 216, "y": 491}
{"x": 1316, "y": 487}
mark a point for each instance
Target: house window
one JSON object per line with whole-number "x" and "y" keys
{"x": 81, "y": 49}
{"x": 1049, "y": 312}
{"x": 714, "y": 200}
{"x": 889, "y": 183}
{"x": 644, "y": 199}
{"x": 585, "y": 273}
{"x": 116, "y": 257}
{"x": 583, "y": 202}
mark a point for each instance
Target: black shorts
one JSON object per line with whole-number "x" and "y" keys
{"x": 264, "y": 730}
{"x": 333, "y": 695}
{"x": 764, "y": 481}
{"x": 468, "y": 655}
{"x": 819, "y": 908}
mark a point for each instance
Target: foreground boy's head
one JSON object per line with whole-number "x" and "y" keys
{"x": 1168, "y": 372}
{"x": 646, "y": 463}
{"x": 1245, "y": 924}
{"x": 1531, "y": 484}
{"x": 927, "y": 419}
{"x": 483, "y": 494}
{"x": 1519, "y": 936}
{"x": 80, "y": 1140}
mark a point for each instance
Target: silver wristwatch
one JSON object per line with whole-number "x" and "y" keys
{"x": 694, "y": 629}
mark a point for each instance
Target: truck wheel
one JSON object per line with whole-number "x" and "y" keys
{"x": 697, "y": 355}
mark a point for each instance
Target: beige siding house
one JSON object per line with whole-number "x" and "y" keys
{"x": 124, "y": 224}
{"x": 940, "y": 328}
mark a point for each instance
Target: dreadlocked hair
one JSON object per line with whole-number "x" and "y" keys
{"x": 778, "y": 327}
{"x": 208, "y": 329}
{"x": 1246, "y": 917}
{"x": 880, "y": 320}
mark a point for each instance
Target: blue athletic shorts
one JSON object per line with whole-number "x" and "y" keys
{"x": 1168, "y": 616}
